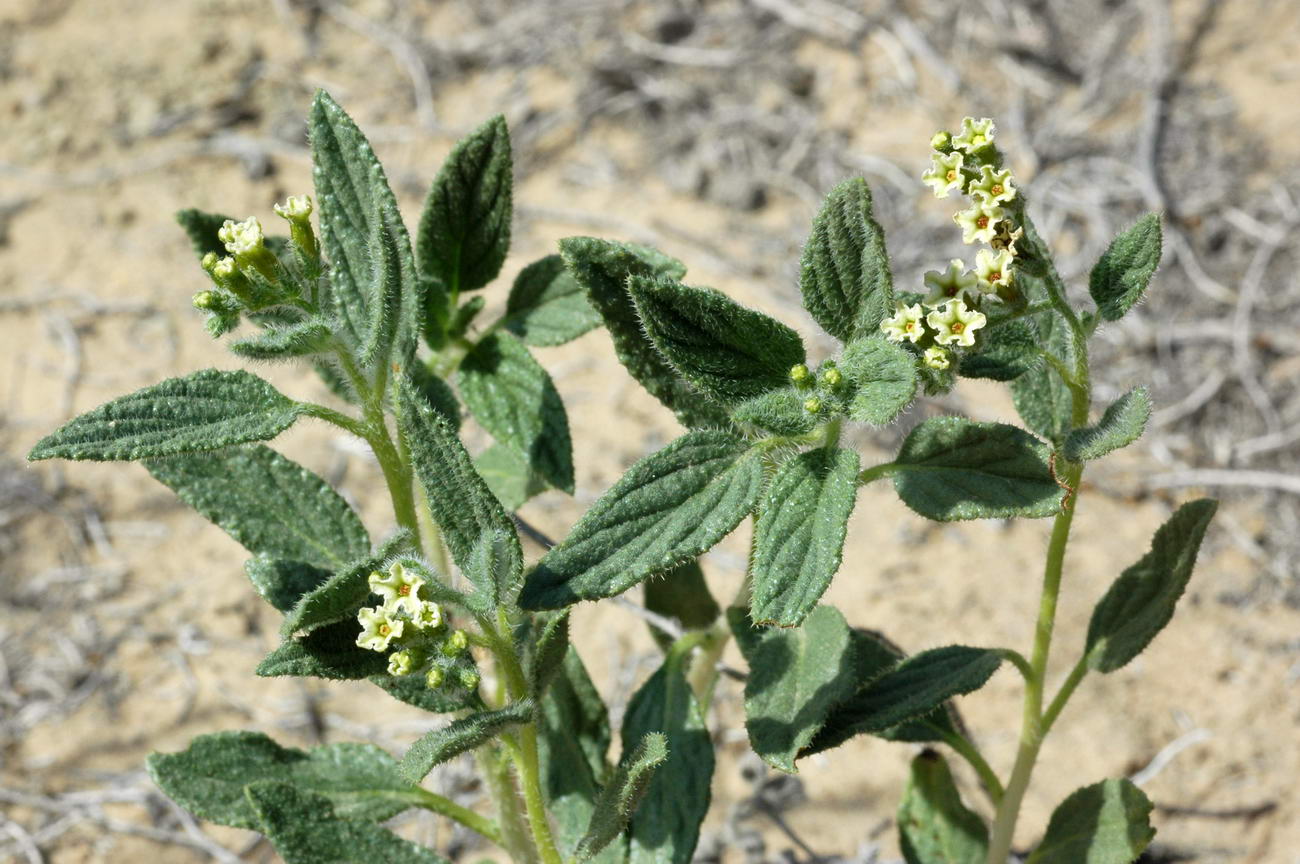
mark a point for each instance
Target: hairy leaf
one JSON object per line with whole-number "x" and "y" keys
{"x": 202, "y": 230}
{"x": 282, "y": 582}
{"x": 1004, "y": 351}
{"x": 1123, "y": 422}
{"x": 934, "y": 826}
{"x": 882, "y": 376}
{"x": 509, "y": 476}
{"x": 1141, "y": 601}
{"x": 461, "y": 735}
{"x": 1041, "y": 397}
{"x": 620, "y": 798}
{"x": 547, "y": 305}
{"x": 780, "y": 412}
{"x": 1121, "y": 277}
{"x": 438, "y": 393}
{"x": 329, "y": 652}
{"x": 412, "y": 690}
{"x": 340, "y": 596}
{"x": 314, "y": 335}
{"x": 546, "y": 660}
{"x": 681, "y": 594}
{"x": 1106, "y": 823}
{"x": 384, "y": 288}
{"x": 667, "y": 509}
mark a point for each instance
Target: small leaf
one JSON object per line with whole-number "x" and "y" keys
{"x": 547, "y": 306}
{"x": 281, "y": 582}
{"x": 883, "y": 378}
{"x": 340, "y": 596}
{"x": 546, "y": 659}
{"x": 844, "y": 272}
{"x": 438, "y": 393}
{"x": 1004, "y": 351}
{"x": 461, "y": 735}
{"x": 384, "y": 288}
{"x": 1141, "y": 601}
{"x": 1121, "y": 277}
{"x": 509, "y": 477}
{"x": 330, "y": 652}
{"x": 602, "y": 268}
{"x": 934, "y": 826}
{"x": 208, "y": 777}
{"x": 205, "y": 410}
{"x": 510, "y": 393}
{"x": 412, "y": 690}
{"x": 202, "y": 230}
{"x": 799, "y": 536}
{"x": 1123, "y": 423}
{"x": 681, "y": 594}
{"x": 314, "y": 335}
{"x": 667, "y": 509}
{"x": 460, "y": 322}
{"x": 730, "y": 352}
{"x": 271, "y": 505}
{"x": 1041, "y": 397}
{"x": 1106, "y": 823}
{"x": 952, "y": 468}
{"x": 304, "y": 829}
{"x": 465, "y": 228}
{"x": 780, "y": 412}
{"x": 620, "y": 798}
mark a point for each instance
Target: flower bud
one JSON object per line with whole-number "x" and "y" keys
{"x": 800, "y": 376}
{"x": 434, "y": 677}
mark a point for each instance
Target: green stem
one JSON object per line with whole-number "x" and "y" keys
{"x": 514, "y": 830}
{"x": 875, "y": 472}
{"x": 1063, "y": 695}
{"x": 1018, "y": 660}
{"x": 446, "y": 807}
{"x": 964, "y": 747}
{"x": 397, "y": 475}
{"x": 336, "y": 418}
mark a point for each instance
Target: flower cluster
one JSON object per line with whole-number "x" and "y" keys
{"x": 824, "y": 389}
{"x": 412, "y": 631}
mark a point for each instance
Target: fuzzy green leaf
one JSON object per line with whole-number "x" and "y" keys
{"x": 730, "y": 352}
{"x": 1121, "y": 277}
{"x": 1003, "y": 352}
{"x": 668, "y": 508}
{"x": 208, "y": 777}
{"x": 681, "y": 594}
{"x": 314, "y": 335}
{"x": 412, "y": 690}
{"x": 330, "y": 652}
{"x": 1041, "y": 398}
{"x": 509, "y": 392}
{"x": 461, "y": 735}
{"x": 951, "y": 468}
{"x": 1141, "y": 601}
{"x": 546, "y": 660}
{"x": 547, "y": 306}
{"x": 202, "y": 230}
{"x": 780, "y": 412}
{"x": 1106, "y": 823}
{"x": 270, "y": 504}
{"x": 1123, "y": 422}
{"x": 438, "y": 393}
{"x": 282, "y": 582}
{"x": 304, "y": 829}
{"x": 883, "y": 378}
{"x": 799, "y": 536}
{"x": 384, "y": 287}
{"x": 203, "y": 411}
{"x": 666, "y": 826}
{"x": 602, "y": 268}
{"x": 465, "y": 228}
{"x": 844, "y": 272}
{"x": 934, "y": 826}
{"x": 620, "y": 798}
{"x": 509, "y": 477}
{"x": 340, "y": 596}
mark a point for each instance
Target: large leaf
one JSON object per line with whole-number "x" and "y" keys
{"x": 1121, "y": 277}
{"x": 934, "y": 826}
{"x": 799, "y": 536}
{"x": 953, "y": 468}
{"x": 1106, "y": 823}
{"x": 281, "y": 582}
{"x": 509, "y": 476}
{"x": 1123, "y": 422}
{"x": 1041, "y": 397}
{"x": 603, "y": 267}
{"x": 385, "y": 286}
{"x": 208, "y": 777}
{"x": 1142, "y": 600}
{"x": 681, "y": 594}
{"x": 882, "y": 376}
{"x": 620, "y": 798}
{"x": 730, "y": 352}
{"x": 461, "y": 735}
{"x": 1004, "y": 351}
{"x": 667, "y": 509}
{"x": 270, "y": 504}
{"x": 844, "y": 271}
{"x": 510, "y": 393}
{"x": 203, "y": 411}
{"x": 346, "y": 591}
{"x": 547, "y": 306}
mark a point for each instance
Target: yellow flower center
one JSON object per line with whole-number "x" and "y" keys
{"x": 951, "y": 176}
{"x": 996, "y": 190}
{"x": 384, "y": 629}
{"x": 910, "y": 325}
{"x": 995, "y": 276}
{"x": 957, "y": 327}
{"x": 405, "y": 590}
{"x": 982, "y": 222}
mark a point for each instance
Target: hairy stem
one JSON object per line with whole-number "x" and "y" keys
{"x": 1063, "y": 695}
{"x": 965, "y": 748}
{"x": 435, "y": 803}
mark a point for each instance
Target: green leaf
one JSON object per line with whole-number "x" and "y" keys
{"x": 1141, "y": 601}
{"x": 1106, "y": 823}
{"x": 1123, "y": 423}
{"x": 683, "y": 595}
{"x": 461, "y": 735}
{"x": 313, "y": 335}
{"x": 546, "y": 660}
{"x": 666, "y": 826}
{"x": 510, "y": 393}
{"x": 465, "y": 315}
{"x": 730, "y": 352}
{"x": 883, "y": 378}
{"x": 202, "y": 230}
{"x": 602, "y": 268}
{"x": 799, "y": 536}
{"x": 281, "y": 582}
{"x": 620, "y": 798}
{"x": 460, "y": 501}
{"x": 329, "y": 652}
{"x": 952, "y": 468}
{"x": 1121, "y": 277}
{"x": 205, "y": 410}
{"x": 438, "y": 393}
{"x": 465, "y": 228}
{"x": 1004, "y": 351}
{"x": 796, "y": 676}
{"x": 1041, "y": 397}
{"x": 509, "y": 477}
{"x": 412, "y": 690}
{"x": 547, "y": 306}
{"x": 340, "y": 596}
{"x": 668, "y": 508}
{"x": 304, "y": 829}
{"x": 780, "y": 412}
{"x": 844, "y": 271}
{"x": 493, "y": 569}
{"x": 934, "y": 826}
{"x": 271, "y": 505}
{"x": 208, "y": 777}
{"x": 384, "y": 288}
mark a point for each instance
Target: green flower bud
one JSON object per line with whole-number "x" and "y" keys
{"x": 812, "y": 405}
{"x": 455, "y": 644}
{"x": 800, "y": 375}
{"x": 401, "y": 663}
{"x": 434, "y": 677}
{"x": 469, "y": 678}
{"x": 206, "y": 300}
{"x": 832, "y": 378}
{"x": 941, "y": 141}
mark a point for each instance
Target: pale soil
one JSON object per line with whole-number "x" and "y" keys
{"x": 80, "y": 98}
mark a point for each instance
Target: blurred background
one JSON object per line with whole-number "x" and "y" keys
{"x": 710, "y": 129}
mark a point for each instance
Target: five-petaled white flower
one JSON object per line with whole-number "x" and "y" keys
{"x": 954, "y": 283}
{"x": 428, "y": 616}
{"x": 905, "y": 324}
{"x": 979, "y": 223}
{"x": 936, "y": 357}
{"x": 993, "y": 187}
{"x": 378, "y": 628}
{"x": 401, "y": 663}
{"x": 955, "y": 323}
{"x": 399, "y": 587}
{"x": 945, "y": 174}
{"x": 975, "y": 134}
{"x": 993, "y": 269}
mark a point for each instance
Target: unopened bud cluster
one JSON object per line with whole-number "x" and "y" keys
{"x": 413, "y": 632}
{"x": 824, "y": 389}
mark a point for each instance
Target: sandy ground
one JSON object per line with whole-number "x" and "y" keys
{"x": 136, "y": 613}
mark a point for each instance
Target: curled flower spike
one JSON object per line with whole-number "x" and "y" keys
{"x": 979, "y": 223}
{"x": 993, "y": 269}
{"x": 428, "y": 617}
{"x": 953, "y": 283}
{"x": 378, "y": 628}
{"x": 937, "y": 358}
{"x": 401, "y": 663}
{"x": 975, "y": 134}
{"x": 993, "y": 187}
{"x": 399, "y": 588}
{"x": 955, "y": 323}
{"x": 945, "y": 174}
{"x": 906, "y": 324}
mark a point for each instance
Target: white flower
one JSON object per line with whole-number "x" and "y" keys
{"x": 1005, "y": 238}
{"x": 427, "y": 617}
{"x": 399, "y": 588}
{"x": 905, "y": 324}
{"x": 975, "y": 134}
{"x": 945, "y": 174}
{"x": 936, "y": 357}
{"x": 993, "y": 187}
{"x": 242, "y": 238}
{"x": 224, "y": 269}
{"x": 953, "y": 283}
{"x": 378, "y": 628}
{"x": 979, "y": 223}
{"x": 955, "y": 323}
{"x": 295, "y": 208}
{"x": 993, "y": 269}
{"x": 401, "y": 663}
